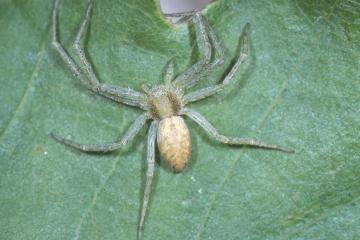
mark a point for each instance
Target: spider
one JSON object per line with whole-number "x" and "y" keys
{"x": 164, "y": 104}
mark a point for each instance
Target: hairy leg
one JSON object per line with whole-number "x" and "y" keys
{"x": 79, "y": 49}
{"x": 62, "y": 52}
{"x": 122, "y": 95}
{"x": 219, "y": 56}
{"x": 149, "y": 175}
{"x": 202, "y": 93}
{"x": 209, "y": 91}
{"x": 129, "y": 135}
{"x": 169, "y": 72}
{"x": 205, "y": 46}
{"x": 213, "y": 132}
{"x": 191, "y": 76}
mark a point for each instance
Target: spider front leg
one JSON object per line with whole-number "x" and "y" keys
{"x": 169, "y": 72}
{"x": 59, "y": 48}
{"x": 149, "y": 175}
{"x": 118, "y": 94}
{"x": 209, "y": 91}
{"x": 79, "y": 49}
{"x": 129, "y": 135}
{"x": 207, "y": 36}
{"x": 213, "y": 132}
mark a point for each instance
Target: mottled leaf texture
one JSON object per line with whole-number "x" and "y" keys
{"x": 299, "y": 89}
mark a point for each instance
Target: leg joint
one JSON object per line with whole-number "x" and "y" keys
{"x": 96, "y": 88}
{"x": 55, "y": 44}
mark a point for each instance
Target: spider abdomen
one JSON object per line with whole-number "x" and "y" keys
{"x": 173, "y": 140}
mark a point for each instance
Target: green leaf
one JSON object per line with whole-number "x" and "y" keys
{"x": 300, "y": 89}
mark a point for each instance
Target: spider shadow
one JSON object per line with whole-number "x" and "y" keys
{"x": 245, "y": 74}
{"x": 195, "y": 52}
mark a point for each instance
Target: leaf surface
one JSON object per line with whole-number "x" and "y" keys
{"x": 300, "y": 89}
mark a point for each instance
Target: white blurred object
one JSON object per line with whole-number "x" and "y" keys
{"x": 176, "y": 6}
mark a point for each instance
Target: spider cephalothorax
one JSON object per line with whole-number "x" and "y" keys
{"x": 164, "y": 104}
{"x": 164, "y": 101}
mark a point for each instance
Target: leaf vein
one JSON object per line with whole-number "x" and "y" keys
{"x": 94, "y": 199}
{"x": 26, "y": 91}
{"x": 226, "y": 177}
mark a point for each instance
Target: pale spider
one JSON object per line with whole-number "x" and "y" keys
{"x": 164, "y": 104}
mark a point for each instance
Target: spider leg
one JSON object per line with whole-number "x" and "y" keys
{"x": 128, "y": 136}
{"x": 169, "y": 71}
{"x": 80, "y": 50}
{"x": 122, "y": 95}
{"x": 62, "y": 52}
{"x": 213, "y": 132}
{"x": 118, "y": 94}
{"x": 204, "y": 43}
{"x": 209, "y": 91}
{"x": 202, "y": 93}
{"x": 149, "y": 175}
{"x": 191, "y": 76}
{"x": 219, "y": 53}
{"x": 181, "y": 14}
